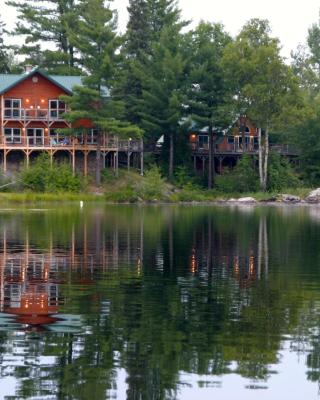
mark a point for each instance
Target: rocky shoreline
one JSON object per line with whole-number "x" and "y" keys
{"x": 312, "y": 198}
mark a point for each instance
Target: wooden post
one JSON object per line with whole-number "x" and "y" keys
{"x": 141, "y": 159}
{"x": 4, "y": 161}
{"x": 203, "y": 165}
{"x": 85, "y": 154}
{"x": 73, "y": 162}
{"x": 220, "y": 164}
{"x": 195, "y": 163}
{"x": 128, "y": 160}
{"x": 117, "y": 162}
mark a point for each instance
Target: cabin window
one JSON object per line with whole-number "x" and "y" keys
{"x": 230, "y": 139}
{"x": 92, "y": 136}
{"x": 12, "y": 108}
{"x": 12, "y": 135}
{"x": 35, "y": 136}
{"x": 203, "y": 141}
{"x": 57, "y": 108}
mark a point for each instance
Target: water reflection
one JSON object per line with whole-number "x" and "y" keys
{"x": 140, "y": 303}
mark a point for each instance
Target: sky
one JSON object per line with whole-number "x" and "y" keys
{"x": 289, "y": 19}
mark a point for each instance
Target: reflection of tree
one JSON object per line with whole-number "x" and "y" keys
{"x": 161, "y": 290}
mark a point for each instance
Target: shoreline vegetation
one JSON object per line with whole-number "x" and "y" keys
{"x": 45, "y": 183}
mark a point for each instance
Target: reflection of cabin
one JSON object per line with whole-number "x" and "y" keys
{"x": 229, "y": 146}
{"x": 30, "y": 280}
{"x": 31, "y": 114}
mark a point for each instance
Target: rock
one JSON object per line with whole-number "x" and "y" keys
{"x": 247, "y": 200}
{"x": 313, "y": 196}
{"x": 232, "y": 200}
{"x": 289, "y": 198}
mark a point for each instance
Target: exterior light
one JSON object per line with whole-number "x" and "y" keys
{"x": 46, "y": 129}
{"x": 27, "y": 100}
{"x": 193, "y": 136}
{"x": 42, "y": 100}
{"x": 38, "y": 107}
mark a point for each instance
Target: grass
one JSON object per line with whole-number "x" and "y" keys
{"x": 32, "y": 197}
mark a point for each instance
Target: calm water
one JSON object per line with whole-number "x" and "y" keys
{"x": 150, "y": 303}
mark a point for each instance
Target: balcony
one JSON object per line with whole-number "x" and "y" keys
{"x": 33, "y": 114}
{"x": 235, "y": 149}
{"x": 58, "y": 142}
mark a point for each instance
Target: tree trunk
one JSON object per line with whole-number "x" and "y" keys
{"x": 171, "y": 152}
{"x": 260, "y": 151}
{"x": 98, "y": 160}
{"x": 211, "y": 159}
{"x": 263, "y": 158}
{"x": 265, "y": 161}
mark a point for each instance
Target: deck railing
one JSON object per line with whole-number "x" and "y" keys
{"x": 34, "y": 114}
{"x": 69, "y": 143}
{"x": 232, "y": 148}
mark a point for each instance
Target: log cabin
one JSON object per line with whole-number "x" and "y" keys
{"x": 31, "y": 113}
{"x": 230, "y": 145}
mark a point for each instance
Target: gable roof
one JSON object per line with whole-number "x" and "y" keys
{"x": 66, "y": 83}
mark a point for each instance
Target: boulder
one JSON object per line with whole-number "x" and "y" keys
{"x": 313, "y": 196}
{"x": 290, "y": 198}
{"x": 248, "y": 200}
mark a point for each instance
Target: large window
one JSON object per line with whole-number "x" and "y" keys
{"x": 35, "y": 136}
{"x": 12, "y": 108}
{"x": 12, "y": 135}
{"x": 203, "y": 141}
{"x": 92, "y": 136}
{"x": 56, "y": 109}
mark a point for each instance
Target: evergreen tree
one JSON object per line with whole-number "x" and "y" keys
{"x": 4, "y": 57}
{"x": 97, "y": 43}
{"x": 210, "y": 96}
{"x": 47, "y": 22}
{"x": 163, "y": 88}
{"x": 147, "y": 19}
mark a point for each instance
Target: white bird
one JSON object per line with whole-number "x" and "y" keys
{"x": 81, "y": 203}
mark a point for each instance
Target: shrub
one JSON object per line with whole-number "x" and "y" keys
{"x": 243, "y": 178}
{"x": 281, "y": 174}
{"x": 41, "y": 176}
{"x": 153, "y": 185}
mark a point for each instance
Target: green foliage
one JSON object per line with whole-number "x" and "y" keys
{"x": 42, "y": 177}
{"x": 47, "y": 21}
{"x": 243, "y": 178}
{"x": 281, "y": 174}
{"x": 153, "y": 185}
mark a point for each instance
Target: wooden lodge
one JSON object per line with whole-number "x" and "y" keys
{"x": 229, "y": 146}
{"x": 31, "y": 113}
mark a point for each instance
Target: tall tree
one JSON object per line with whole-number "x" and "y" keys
{"x": 210, "y": 96}
{"x": 97, "y": 43}
{"x": 4, "y": 57}
{"x": 47, "y": 23}
{"x": 263, "y": 84}
{"x": 163, "y": 87}
{"x": 147, "y": 19}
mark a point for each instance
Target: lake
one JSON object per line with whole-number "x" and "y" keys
{"x": 160, "y": 302}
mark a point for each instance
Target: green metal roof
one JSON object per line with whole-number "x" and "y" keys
{"x": 8, "y": 81}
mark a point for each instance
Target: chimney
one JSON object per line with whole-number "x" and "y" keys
{"x": 28, "y": 68}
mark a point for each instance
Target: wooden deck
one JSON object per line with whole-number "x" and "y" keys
{"x": 73, "y": 146}
{"x": 286, "y": 150}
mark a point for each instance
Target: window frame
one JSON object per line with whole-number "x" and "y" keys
{"x": 12, "y": 136}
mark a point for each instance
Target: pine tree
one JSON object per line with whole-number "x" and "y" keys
{"x": 4, "y": 58}
{"x": 97, "y": 43}
{"x": 47, "y": 22}
{"x": 162, "y": 107}
{"x": 209, "y": 97}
